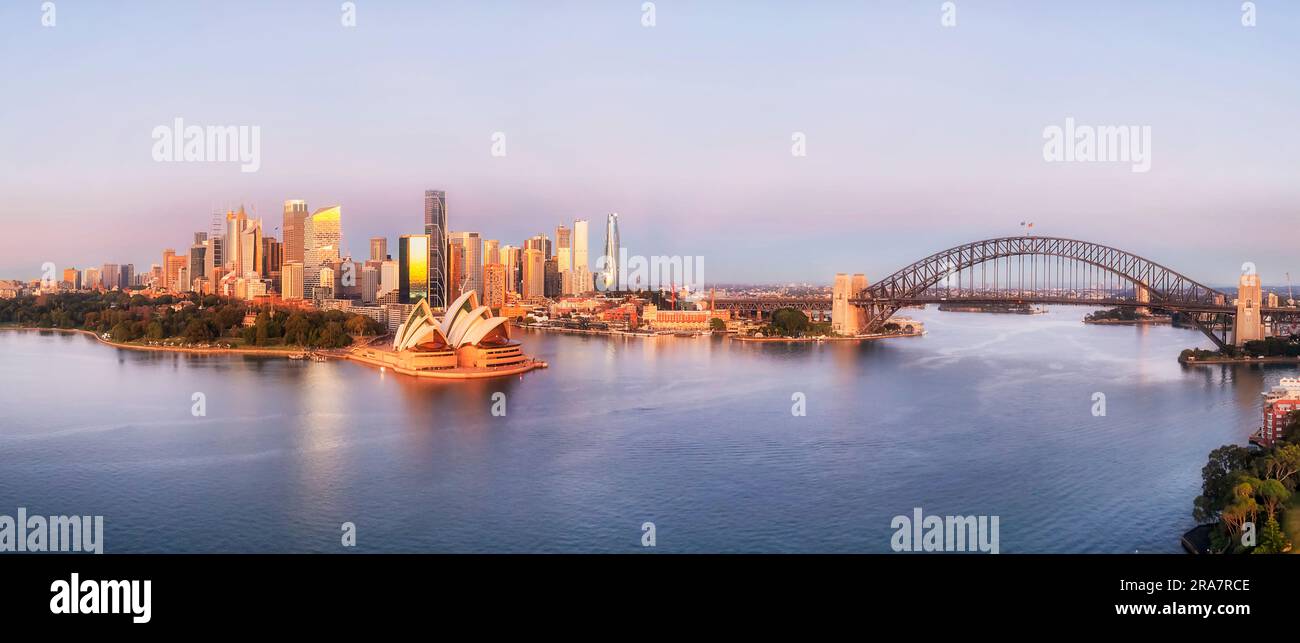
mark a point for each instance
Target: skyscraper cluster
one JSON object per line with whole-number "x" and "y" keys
{"x": 236, "y": 258}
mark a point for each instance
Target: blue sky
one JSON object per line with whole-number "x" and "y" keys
{"x": 919, "y": 137}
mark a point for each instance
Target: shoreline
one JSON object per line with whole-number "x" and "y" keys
{"x": 286, "y": 353}
{"x": 1209, "y": 361}
{"x": 1130, "y": 322}
{"x": 860, "y": 338}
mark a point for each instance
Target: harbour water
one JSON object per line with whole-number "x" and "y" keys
{"x": 985, "y": 415}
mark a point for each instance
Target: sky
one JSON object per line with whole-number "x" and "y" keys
{"x": 918, "y": 136}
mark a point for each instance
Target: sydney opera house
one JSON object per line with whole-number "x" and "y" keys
{"x": 467, "y": 342}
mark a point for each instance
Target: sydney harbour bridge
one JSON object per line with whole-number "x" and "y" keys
{"x": 1041, "y": 270}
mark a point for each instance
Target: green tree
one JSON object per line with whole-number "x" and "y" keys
{"x": 198, "y": 331}
{"x": 789, "y": 322}
{"x": 1271, "y": 493}
{"x": 297, "y": 330}
{"x": 154, "y": 330}
{"x": 1218, "y": 477}
{"x": 717, "y": 324}
{"x": 122, "y": 332}
{"x": 1271, "y": 539}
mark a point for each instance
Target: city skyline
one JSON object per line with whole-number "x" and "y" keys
{"x": 890, "y": 172}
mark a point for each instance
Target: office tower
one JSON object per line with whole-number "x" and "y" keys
{"x": 541, "y": 243}
{"x": 198, "y": 261}
{"x": 111, "y": 276}
{"x": 72, "y": 277}
{"x": 435, "y": 225}
{"x": 325, "y": 286}
{"x": 610, "y": 273}
{"x": 234, "y": 237}
{"x": 389, "y": 276}
{"x": 511, "y": 258}
{"x": 564, "y": 247}
{"x": 291, "y": 280}
{"x": 369, "y": 284}
{"x": 200, "y": 237}
{"x": 551, "y": 278}
{"x": 580, "y": 245}
{"x": 413, "y": 274}
{"x": 455, "y": 270}
{"x": 216, "y": 250}
{"x": 128, "y": 275}
{"x": 166, "y": 261}
{"x": 322, "y": 234}
{"x": 250, "y": 248}
{"x": 494, "y": 285}
{"x": 491, "y": 251}
{"x": 90, "y": 278}
{"x": 378, "y": 248}
{"x": 295, "y": 216}
{"x": 172, "y": 278}
{"x": 534, "y": 278}
{"x": 472, "y": 246}
{"x": 272, "y": 256}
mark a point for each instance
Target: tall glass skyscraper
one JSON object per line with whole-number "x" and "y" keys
{"x": 611, "y": 253}
{"x": 295, "y": 213}
{"x": 413, "y": 268}
{"x": 322, "y": 236}
{"x": 435, "y": 226}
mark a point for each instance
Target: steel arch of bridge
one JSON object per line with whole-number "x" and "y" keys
{"x": 1167, "y": 289}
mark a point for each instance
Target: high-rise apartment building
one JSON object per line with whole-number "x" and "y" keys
{"x": 435, "y": 226}
{"x": 378, "y": 248}
{"x": 295, "y": 216}
{"x": 491, "y": 252}
{"x": 389, "y": 276}
{"x": 413, "y": 276}
{"x": 534, "y": 277}
{"x": 494, "y": 285}
{"x": 72, "y": 277}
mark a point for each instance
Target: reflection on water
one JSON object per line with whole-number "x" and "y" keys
{"x": 987, "y": 414}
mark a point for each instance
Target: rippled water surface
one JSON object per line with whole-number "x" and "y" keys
{"x": 987, "y": 414}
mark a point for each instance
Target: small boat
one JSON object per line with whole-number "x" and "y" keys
{"x": 298, "y": 356}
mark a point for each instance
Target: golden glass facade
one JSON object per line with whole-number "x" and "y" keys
{"x": 413, "y": 268}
